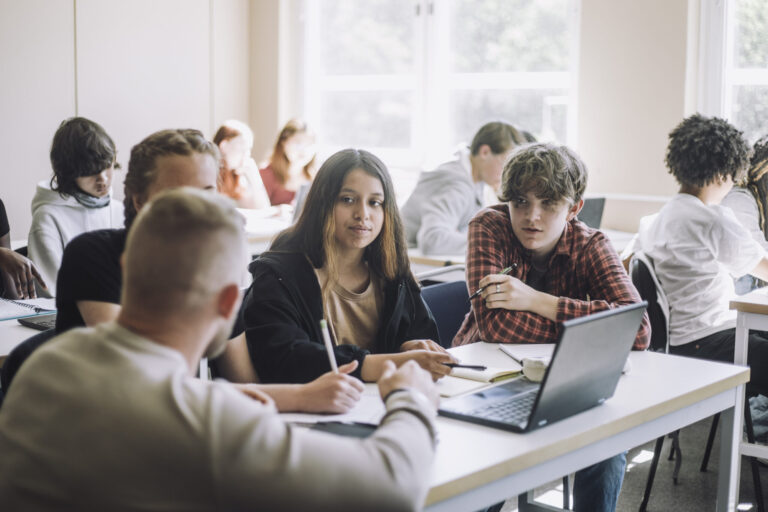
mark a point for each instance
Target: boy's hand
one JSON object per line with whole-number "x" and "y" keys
{"x": 507, "y": 292}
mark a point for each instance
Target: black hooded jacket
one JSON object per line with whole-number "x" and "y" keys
{"x": 282, "y": 313}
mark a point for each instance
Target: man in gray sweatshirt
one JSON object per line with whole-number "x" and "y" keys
{"x": 437, "y": 213}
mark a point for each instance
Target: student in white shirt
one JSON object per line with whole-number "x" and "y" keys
{"x": 111, "y": 418}
{"x": 697, "y": 245}
{"x": 749, "y": 202}
{"x": 78, "y": 197}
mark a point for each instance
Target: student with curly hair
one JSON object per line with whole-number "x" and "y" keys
{"x": 78, "y": 197}
{"x": 749, "y": 201}
{"x": 697, "y": 244}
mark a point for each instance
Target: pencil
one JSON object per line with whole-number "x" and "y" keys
{"x": 329, "y": 346}
{"x": 505, "y": 271}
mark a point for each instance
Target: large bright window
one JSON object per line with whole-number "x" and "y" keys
{"x": 410, "y": 79}
{"x": 746, "y": 67}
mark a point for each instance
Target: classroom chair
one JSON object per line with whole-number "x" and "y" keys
{"x": 645, "y": 280}
{"x": 449, "y": 304}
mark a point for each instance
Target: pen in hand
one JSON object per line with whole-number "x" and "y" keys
{"x": 503, "y": 272}
{"x": 467, "y": 366}
{"x": 329, "y": 346}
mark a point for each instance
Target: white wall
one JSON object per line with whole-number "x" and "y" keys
{"x": 631, "y": 93}
{"x": 37, "y": 91}
{"x": 266, "y": 89}
{"x": 135, "y": 67}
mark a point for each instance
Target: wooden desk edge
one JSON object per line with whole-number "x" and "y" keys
{"x": 463, "y": 484}
{"x": 750, "y": 307}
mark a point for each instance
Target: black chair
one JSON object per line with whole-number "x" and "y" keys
{"x": 644, "y": 278}
{"x": 20, "y": 354}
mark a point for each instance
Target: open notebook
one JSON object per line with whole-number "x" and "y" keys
{"x": 10, "y": 309}
{"x": 463, "y": 380}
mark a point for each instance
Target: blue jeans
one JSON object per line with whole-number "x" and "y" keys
{"x": 597, "y": 487}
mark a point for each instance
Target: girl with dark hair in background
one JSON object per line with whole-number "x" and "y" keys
{"x": 749, "y": 201}
{"x": 344, "y": 261}
{"x": 291, "y": 163}
{"x": 77, "y": 198}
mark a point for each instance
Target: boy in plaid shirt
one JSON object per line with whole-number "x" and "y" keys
{"x": 561, "y": 269}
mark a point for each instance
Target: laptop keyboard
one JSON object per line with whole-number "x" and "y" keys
{"x": 514, "y": 412}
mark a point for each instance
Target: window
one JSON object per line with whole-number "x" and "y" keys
{"x": 746, "y": 67}
{"x": 410, "y": 79}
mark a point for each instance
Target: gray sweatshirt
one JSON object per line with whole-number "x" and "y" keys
{"x": 56, "y": 220}
{"x": 437, "y": 214}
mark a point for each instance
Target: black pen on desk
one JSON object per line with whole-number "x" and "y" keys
{"x": 505, "y": 271}
{"x": 467, "y": 366}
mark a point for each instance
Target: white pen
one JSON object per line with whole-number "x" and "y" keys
{"x": 328, "y": 346}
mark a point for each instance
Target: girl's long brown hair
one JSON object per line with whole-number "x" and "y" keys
{"x": 313, "y": 233}
{"x": 757, "y": 180}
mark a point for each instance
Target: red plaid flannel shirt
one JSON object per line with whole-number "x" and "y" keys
{"x": 585, "y": 273}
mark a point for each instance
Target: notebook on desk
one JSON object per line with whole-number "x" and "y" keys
{"x": 10, "y": 309}
{"x": 585, "y": 369}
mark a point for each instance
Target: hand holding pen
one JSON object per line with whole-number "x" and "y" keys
{"x": 503, "y": 272}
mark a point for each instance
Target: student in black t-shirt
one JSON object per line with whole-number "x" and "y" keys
{"x": 90, "y": 278}
{"x": 17, "y": 273}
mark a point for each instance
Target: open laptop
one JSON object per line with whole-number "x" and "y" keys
{"x": 584, "y": 371}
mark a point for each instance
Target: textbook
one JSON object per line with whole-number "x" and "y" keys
{"x": 12, "y": 309}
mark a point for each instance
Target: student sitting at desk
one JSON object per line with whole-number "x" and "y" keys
{"x": 749, "y": 202}
{"x": 17, "y": 273}
{"x": 291, "y": 164}
{"x": 239, "y": 176}
{"x": 697, "y": 245}
{"x": 79, "y": 196}
{"x": 111, "y": 418}
{"x": 437, "y": 213}
{"x": 90, "y": 281}
{"x": 560, "y": 269}
{"x": 345, "y": 261}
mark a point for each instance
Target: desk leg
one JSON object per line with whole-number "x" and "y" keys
{"x": 741, "y": 342}
{"x": 730, "y": 456}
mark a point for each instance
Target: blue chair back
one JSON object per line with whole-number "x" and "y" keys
{"x": 449, "y": 303}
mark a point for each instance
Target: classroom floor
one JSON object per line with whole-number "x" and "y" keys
{"x": 695, "y": 491}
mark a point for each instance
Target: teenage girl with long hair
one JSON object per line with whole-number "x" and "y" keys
{"x": 345, "y": 261}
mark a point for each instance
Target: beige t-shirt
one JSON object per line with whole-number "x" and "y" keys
{"x": 353, "y": 318}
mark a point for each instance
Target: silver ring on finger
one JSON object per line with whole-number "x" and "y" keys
{"x": 498, "y": 288}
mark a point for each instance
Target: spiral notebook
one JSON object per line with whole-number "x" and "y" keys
{"x": 12, "y": 309}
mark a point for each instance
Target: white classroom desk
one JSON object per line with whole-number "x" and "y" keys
{"x": 12, "y": 333}
{"x": 751, "y": 313}
{"x": 477, "y": 466}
